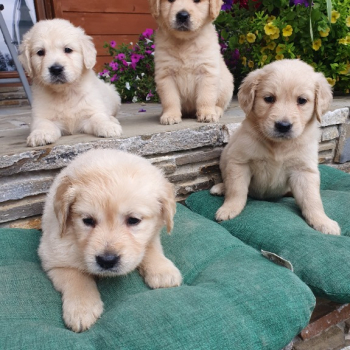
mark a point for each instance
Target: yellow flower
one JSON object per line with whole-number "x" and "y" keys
{"x": 263, "y": 58}
{"x": 241, "y": 39}
{"x": 244, "y": 61}
{"x": 271, "y": 45}
{"x": 287, "y": 30}
{"x": 347, "y": 39}
{"x": 270, "y": 29}
{"x": 280, "y": 48}
{"x": 335, "y": 16}
{"x": 276, "y": 35}
{"x": 262, "y": 50}
{"x": 331, "y": 81}
{"x": 251, "y": 37}
{"x": 324, "y": 33}
{"x": 251, "y": 64}
{"x": 279, "y": 56}
{"x": 342, "y": 41}
{"x": 271, "y": 18}
{"x": 348, "y": 21}
{"x": 317, "y": 44}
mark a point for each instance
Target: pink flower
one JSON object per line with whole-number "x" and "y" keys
{"x": 149, "y": 95}
{"x": 114, "y": 78}
{"x": 147, "y": 33}
{"x": 153, "y": 46}
{"x": 113, "y": 43}
{"x": 120, "y": 56}
{"x": 149, "y": 51}
{"x": 125, "y": 63}
{"x": 114, "y": 65}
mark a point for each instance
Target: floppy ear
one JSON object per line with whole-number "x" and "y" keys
{"x": 246, "y": 93}
{"x": 89, "y": 51}
{"x": 168, "y": 206}
{"x": 323, "y": 96}
{"x": 214, "y": 9}
{"x": 63, "y": 199}
{"x": 154, "y": 7}
{"x": 24, "y": 54}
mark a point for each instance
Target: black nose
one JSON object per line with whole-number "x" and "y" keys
{"x": 56, "y": 69}
{"x": 182, "y": 16}
{"x": 283, "y": 126}
{"x": 107, "y": 261}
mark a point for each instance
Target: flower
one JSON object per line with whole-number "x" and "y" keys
{"x": 335, "y": 16}
{"x": 276, "y": 35}
{"x": 241, "y": 39}
{"x": 271, "y": 45}
{"x": 263, "y": 58}
{"x": 127, "y": 85}
{"x": 271, "y": 18}
{"x": 280, "y": 47}
{"x": 251, "y": 64}
{"x": 342, "y": 41}
{"x": 244, "y": 61}
{"x": 142, "y": 110}
{"x": 114, "y": 65}
{"x": 287, "y": 30}
{"x": 113, "y": 43}
{"x": 347, "y": 21}
{"x": 120, "y": 56}
{"x": 251, "y": 37}
{"x": 299, "y": 2}
{"x": 149, "y": 95}
{"x": 279, "y": 56}
{"x": 270, "y": 29}
{"x": 147, "y": 33}
{"x": 331, "y": 81}
{"x": 114, "y": 78}
{"x": 317, "y": 44}
{"x": 149, "y": 41}
{"x": 134, "y": 99}
{"x": 227, "y": 5}
{"x": 324, "y": 33}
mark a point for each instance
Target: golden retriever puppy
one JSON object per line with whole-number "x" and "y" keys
{"x": 103, "y": 217}
{"x": 275, "y": 151}
{"x": 68, "y": 97}
{"x": 190, "y": 73}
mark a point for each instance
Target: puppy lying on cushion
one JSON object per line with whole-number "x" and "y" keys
{"x": 275, "y": 151}
{"x": 190, "y": 73}
{"x": 102, "y": 217}
{"x": 68, "y": 97}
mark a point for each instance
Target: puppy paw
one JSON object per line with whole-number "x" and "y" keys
{"x": 169, "y": 119}
{"x": 207, "y": 117}
{"x": 163, "y": 275}
{"x": 80, "y": 314}
{"x": 42, "y": 137}
{"x": 218, "y": 189}
{"x": 327, "y": 226}
{"x": 110, "y": 129}
{"x": 226, "y": 212}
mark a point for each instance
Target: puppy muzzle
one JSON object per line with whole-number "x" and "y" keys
{"x": 182, "y": 22}
{"x": 107, "y": 261}
{"x": 57, "y": 75}
{"x": 283, "y": 130}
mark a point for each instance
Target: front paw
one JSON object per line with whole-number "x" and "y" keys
{"x": 218, "y": 189}
{"x": 109, "y": 129}
{"x": 42, "y": 137}
{"x": 163, "y": 275}
{"x": 226, "y": 212}
{"x": 81, "y": 313}
{"x": 170, "y": 118}
{"x": 327, "y": 226}
{"x": 207, "y": 116}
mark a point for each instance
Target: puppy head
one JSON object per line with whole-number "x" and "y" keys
{"x": 111, "y": 205}
{"x": 282, "y": 98}
{"x": 55, "y": 52}
{"x": 184, "y": 17}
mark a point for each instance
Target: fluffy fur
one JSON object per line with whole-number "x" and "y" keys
{"x": 190, "y": 73}
{"x": 275, "y": 151}
{"x": 68, "y": 97}
{"x": 103, "y": 216}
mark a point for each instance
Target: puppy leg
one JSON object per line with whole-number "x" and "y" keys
{"x": 157, "y": 270}
{"x": 305, "y": 187}
{"x": 206, "y": 100}
{"x": 43, "y": 132}
{"x": 82, "y": 304}
{"x": 102, "y": 125}
{"x": 236, "y": 184}
{"x": 170, "y": 100}
{"x": 218, "y": 189}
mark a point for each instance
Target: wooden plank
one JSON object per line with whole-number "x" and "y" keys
{"x": 99, "y": 41}
{"x": 100, "y": 61}
{"x": 111, "y": 6}
{"x": 107, "y": 24}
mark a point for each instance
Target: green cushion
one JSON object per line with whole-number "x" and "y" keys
{"x": 321, "y": 261}
{"x": 232, "y": 298}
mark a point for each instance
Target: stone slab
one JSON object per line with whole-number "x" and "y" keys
{"x": 343, "y": 150}
{"x": 337, "y": 116}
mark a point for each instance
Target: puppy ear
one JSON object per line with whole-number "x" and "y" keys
{"x": 215, "y": 8}
{"x": 63, "y": 199}
{"x": 323, "y": 96}
{"x": 24, "y": 54}
{"x": 246, "y": 93}
{"x": 168, "y": 206}
{"x": 89, "y": 51}
{"x": 154, "y": 7}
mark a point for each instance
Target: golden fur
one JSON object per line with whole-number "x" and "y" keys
{"x": 75, "y": 100}
{"x": 190, "y": 73}
{"x": 265, "y": 162}
{"x": 103, "y": 216}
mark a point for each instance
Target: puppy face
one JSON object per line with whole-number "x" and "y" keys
{"x": 55, "y": 52}
{"x": 183, "y": 17}
{"x": 112, "y": 209}
{"x": 283, "y": 97}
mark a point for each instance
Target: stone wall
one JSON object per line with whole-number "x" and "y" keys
{"x": 188, "y": 157}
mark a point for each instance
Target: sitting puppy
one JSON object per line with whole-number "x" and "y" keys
{"x": 190, "y": 73}
{"x": 275, "y": 151}
{"x": 102, "y": 217}
{"x": 67, "y": 95}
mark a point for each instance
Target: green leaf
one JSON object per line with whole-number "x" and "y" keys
{"x": 329, "y": 10}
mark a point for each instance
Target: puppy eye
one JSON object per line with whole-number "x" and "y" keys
{"x": 89, "y": 222}
{"x": 171, "y": 0}
{"x": 301, "y": 100}
{"x": 131, "y": 221}
{"x": 68, "y": 50}
{"x": 41, "y": 53}
{"x": 196, "y": 1}
{"x": 269, "y": 99}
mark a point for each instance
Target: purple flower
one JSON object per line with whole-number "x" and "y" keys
{"x": 149, "y": 95}
{"x": 114, "y": 65}
{"x": 153, "y": 47}
{"x": 120, "y": 56}
{"x": 136, "y": 57}
{"x": 114, "y": 78}
{"x": 147, "y": 33}
{"x": 235, "y": 54}
{"x": 142, "y": 110}
{"x": 125, "y": 63}
{"x": 227, "y": 5}
{"x": 149, "y": 52}
{"x": 299, "y": 2}
{"x": 113, "y": 43}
